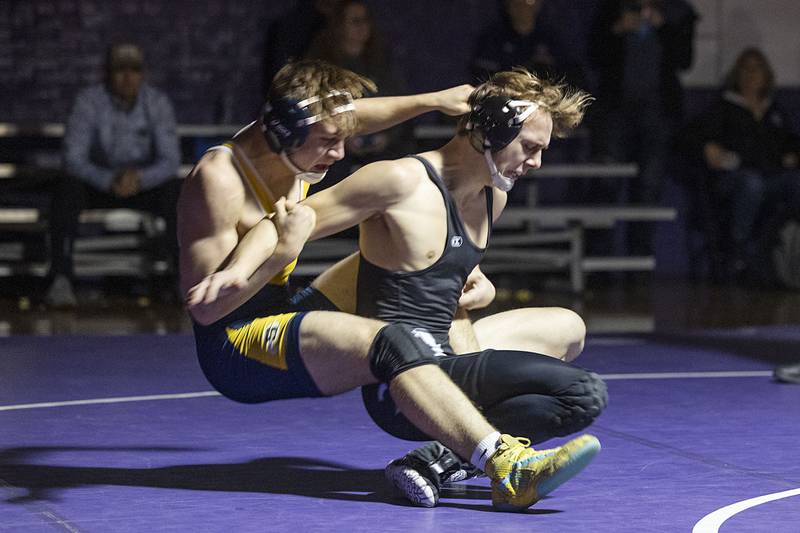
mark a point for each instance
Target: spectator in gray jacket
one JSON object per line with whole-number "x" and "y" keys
{"x": 121, "y": 150}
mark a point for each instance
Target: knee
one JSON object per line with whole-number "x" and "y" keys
{"x": 583, "y": 401}
{"x": 571, "y": 335}
{"x": 576, "y": 335}
{"x": 398, "y": 347}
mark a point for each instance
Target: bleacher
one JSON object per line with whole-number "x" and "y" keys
{"x": 528, "y": 238}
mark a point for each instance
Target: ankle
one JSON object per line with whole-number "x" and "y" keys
{"x": 485, "y": 449}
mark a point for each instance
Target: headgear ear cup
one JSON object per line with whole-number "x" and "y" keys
{"x": 284, "y": 124}
{"x": 495, "y": 119}
{"x": 498, "y": 120}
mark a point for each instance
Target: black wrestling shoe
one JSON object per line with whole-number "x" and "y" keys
{"x": 419, "y": 475}
{"x": 787, "y": 373}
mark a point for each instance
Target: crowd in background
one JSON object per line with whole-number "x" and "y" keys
{"x": 738, "y": 160}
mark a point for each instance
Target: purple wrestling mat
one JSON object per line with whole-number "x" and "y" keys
{"x": 108, "y": 434}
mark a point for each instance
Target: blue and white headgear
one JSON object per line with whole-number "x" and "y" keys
{"x": 286, "y": 122}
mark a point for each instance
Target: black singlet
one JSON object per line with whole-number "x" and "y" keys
{"x": 425, "y": 298}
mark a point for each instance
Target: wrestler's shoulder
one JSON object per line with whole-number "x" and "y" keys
{"x": 398, "y": 177}
{"x": 215, "y": 172}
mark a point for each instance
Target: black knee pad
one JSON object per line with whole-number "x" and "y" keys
{"x": 383, "y": 411}
{"x": 584, "y": 400}
{"x": 398, "y": 348}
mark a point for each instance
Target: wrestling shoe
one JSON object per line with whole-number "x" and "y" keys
{"x": 787, "y": 373}
{"x": 419, "y": 475}
{"x": 521, "y": 476}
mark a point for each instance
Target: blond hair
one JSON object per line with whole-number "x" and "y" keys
{"x": 565, "y": 104}
{"x": 310, "y": 77}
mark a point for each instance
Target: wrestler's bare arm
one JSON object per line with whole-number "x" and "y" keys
{"x": 366, "y": 193}
{"x": 376, "y": 114}
{"x": 207, "y": 218}
{"x": 209, "y": 210}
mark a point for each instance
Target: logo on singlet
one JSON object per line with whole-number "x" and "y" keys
{"x": 271, "y": 335}
{"x": 428, "y": 339}
{"x": 456, "y": 241}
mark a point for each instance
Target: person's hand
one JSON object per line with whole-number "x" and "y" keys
{"x": 653, "y": 15}
{"x": 215, "y": 286}
{"x": 294, "y": 223}
{"x": 478, "y": 292}
{"x": 790, "y": 160}
{"x": 718, "y": 158}
{"x": 127, "y": 184}
{"x": 628, "y": 22}
{"x": 453, "y": 101}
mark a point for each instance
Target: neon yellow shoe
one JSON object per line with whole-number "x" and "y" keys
{"x": 521, "y": 475}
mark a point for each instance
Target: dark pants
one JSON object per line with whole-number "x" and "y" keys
{"x": 71, "y": 196}
{"x": 751, "y": 193}
{"x": 641, "y": 132}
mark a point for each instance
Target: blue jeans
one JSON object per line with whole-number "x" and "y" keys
{"x": 752, "y": 193}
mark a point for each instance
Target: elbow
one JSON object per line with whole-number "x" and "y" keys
{"x": 203, "y": 314}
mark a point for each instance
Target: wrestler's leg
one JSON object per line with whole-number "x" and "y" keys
{"x": 552, "y": 331}
{"x": 521, "y": 393}
{"x": 336, "y": 349}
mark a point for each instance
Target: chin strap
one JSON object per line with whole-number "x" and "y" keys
{"x": 501, "y": 182}
{"x": 308, "y": 177}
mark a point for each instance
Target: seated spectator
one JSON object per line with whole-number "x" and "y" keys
{"x": 526, "y": 35}
{"x": 751, "y": 154}
{"x": 121, "y": 150}
{"x": 351, "y": 41}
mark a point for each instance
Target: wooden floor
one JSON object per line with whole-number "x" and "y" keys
{"x": 640, "y": 304}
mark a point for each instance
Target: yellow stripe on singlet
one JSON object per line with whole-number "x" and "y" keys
{"x": 263, "y": 339}
{"x": 265, "y": 199}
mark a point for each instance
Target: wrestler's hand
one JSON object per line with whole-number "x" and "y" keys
{"x": 478, "y": 291}
{"x": 215, "y": 286}
{"x": 294, "y": 223}
{"x": 453, "y": 101}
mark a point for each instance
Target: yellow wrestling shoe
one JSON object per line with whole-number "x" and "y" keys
{"x": 521, "y": 475}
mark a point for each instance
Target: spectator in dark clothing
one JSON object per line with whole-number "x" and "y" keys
{"x": 638, "y": 47}
{"x": 751, "y": 155}
{"x": 120, "y": 150}
{"x": 289, "y": 36}
{"x": 352, "y": 41}
{"x": 526, "y": 35}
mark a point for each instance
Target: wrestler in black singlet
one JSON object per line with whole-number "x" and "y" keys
{"x": 427, "y": 298}
{"x": 521, "y": 393}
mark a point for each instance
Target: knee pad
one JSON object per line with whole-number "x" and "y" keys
{"x": 398, "y": 347}
{"x": 584, "y": 400}
{"x": 382, "y": 410}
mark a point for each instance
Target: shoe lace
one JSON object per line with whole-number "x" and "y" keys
{"x": 516, "y": 446}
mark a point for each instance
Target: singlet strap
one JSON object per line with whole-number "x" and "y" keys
{"x": 452, "y": 211}
{"x": 262, "y": 193}
{"x": 489, "y": 193}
